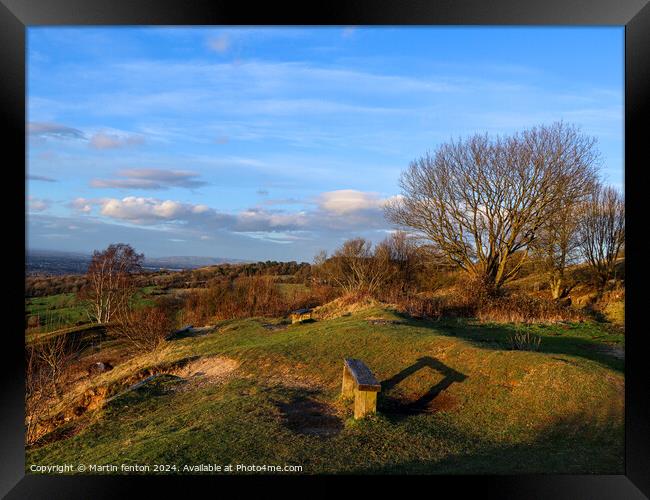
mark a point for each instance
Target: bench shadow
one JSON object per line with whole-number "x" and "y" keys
{"x": 430, "y": 401}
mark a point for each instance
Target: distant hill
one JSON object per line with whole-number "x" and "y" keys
{"x": 54, "y": 262}
{"x": 185, "y": 262}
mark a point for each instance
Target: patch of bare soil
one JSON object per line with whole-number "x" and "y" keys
{"x": 308, "y": 416}
{"x": 210, "y": 369}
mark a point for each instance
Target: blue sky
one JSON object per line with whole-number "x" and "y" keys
{"x": 274, "y": 143}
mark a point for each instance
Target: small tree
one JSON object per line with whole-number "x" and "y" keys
{"x": 481, "y": 202}
{"x": 355, "y": 267}
{"x": 602, "y": 232}
{"x": 109, "y": 279}
{"x": 558, "y": 246}
{"x": 405, "y": 258}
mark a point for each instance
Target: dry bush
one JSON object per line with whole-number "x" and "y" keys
{"x": 47, "y": 364}
{"x": 248, "y": 297}
{"x": 145, "y": 328}
{"x": 421, "y": 306}
{"x": 471, "y": 298}
{"x": 518, "y": 308}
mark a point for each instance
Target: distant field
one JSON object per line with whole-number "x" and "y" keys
{"x": 64, "y": 310}
{"x": 56, "y": 311}
{"x": 455, "y": 399}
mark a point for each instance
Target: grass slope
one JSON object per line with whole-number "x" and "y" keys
{"x": 455, "y": 399}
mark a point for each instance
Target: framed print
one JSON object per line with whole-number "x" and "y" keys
{"x": 284, "y": 245}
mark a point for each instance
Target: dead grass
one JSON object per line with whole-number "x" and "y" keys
{"x": 344, "y": 306}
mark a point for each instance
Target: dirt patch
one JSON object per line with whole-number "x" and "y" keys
{"x": 308, "y": 416}
{"x": 209, "y": 369}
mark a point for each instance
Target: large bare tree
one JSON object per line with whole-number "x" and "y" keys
{"x": 482, "y": 201}
{"x": 602, "y": 232}
{"x": 110, "y": 280}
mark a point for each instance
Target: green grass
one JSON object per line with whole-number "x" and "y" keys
{"x": 559, "y": 410}
{"x": 65, "y": 309}
{"x": 56, "y": 311}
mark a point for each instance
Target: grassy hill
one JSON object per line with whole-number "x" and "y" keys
{"x": 455, "y": 399}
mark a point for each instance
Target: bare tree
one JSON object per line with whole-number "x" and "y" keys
{"x": 406, "y": 258}
{"x": 481, "y": 202}
{"x": 110, "y": 280}
{"x": 558, "y": 245}
{"x": 602, "y": 232}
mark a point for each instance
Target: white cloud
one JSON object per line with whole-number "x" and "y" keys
{"x": 347, "y": 201}
{"x": 37, "y": 204}
{"x": 345, "y": 209}
{"x": 81, "y": 205}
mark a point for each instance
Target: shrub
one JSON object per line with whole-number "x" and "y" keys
{"x": 145, "y": 328}
{"x": 248, "y": 297}
{"x": 518, "y": 308}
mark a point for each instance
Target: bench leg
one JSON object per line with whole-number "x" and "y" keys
{"x": 365, "y": 403}
{"x": 347, "y": 388}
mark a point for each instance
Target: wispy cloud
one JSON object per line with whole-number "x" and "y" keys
{"x": 54, "y": 130}
{"x": 150, "y": 179}
{"x": 42, "y": 178}
{"x": 103, "y": 140}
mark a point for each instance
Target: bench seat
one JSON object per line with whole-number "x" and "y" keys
{"x": 360, "y": 383}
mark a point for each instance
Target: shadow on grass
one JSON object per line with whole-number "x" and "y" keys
{"x": 571, "y": 444}
{"x": 397, "y": 409}
{"x": 496, "y": 337}
{"x": 304, "y": 413}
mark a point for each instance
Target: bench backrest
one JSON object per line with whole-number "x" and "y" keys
{"x": 362, "y": 375}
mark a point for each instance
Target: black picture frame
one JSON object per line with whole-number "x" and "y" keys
{"x": 17, "y": 15}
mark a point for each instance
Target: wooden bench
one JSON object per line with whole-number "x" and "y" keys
{"x": 360, "y": 383}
